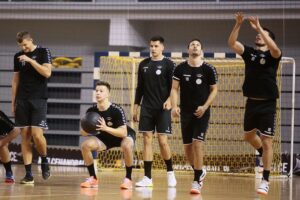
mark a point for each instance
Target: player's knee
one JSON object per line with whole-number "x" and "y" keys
{"x": 163, "y": 144}
{"x": 267, "y": 143}
{"x": 127, "y": 147}
{"x": 86, "y": 146}
{"x": 147, "y": 139}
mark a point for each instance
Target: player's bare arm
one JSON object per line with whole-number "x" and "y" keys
{"x": 272, "y": 46}
{"x": 118, "y": 132}
{"x": 201, "y": 109}
{"x": 15, "y": 83}
{"x": 44, "y": 69}
{"x": 235, "y": 45}
{"x": 174, "y": 98}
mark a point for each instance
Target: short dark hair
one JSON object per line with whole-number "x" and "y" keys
{"x": 157, "y": 38}
{"x": 271, "y": 34}
{"x": 103, "y": 83}
{"x": 23, "y": 35}
{"x": 194, "y": 39}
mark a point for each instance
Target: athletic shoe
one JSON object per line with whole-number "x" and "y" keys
{"x": 202, "y": 175}
{"x": 9, "y": 178}
{"x": 196, "y": 187}
{"x": 90, "y": 183}
{"x": 171, "y": 179}
{"x": 127, "y": 184}
{"x": 28, "y": 179}
{"x": 45, "y": 170}
{"x": 263, "y": 187}
{"x": 145, "y": 182}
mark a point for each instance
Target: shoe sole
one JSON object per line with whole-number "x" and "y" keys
{"x": 193, "y": 191}
{"x": 144, "y": 185}
{"x": 261, "y": 192}
{"x": 125, "y": 188}
{"x": 96, "y": 186}
{"x": 27, "y": 182}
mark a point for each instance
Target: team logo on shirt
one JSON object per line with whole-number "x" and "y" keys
{"x": 187, "y": 77}
{"x": 198, "y": 81}
{"x": 262, "y": 61}
{"x": 145, "y": 68}
{"x": 158, "y": 72}
{"x": 33, "y": 57}
{"x": 109, "y": 123}
{"x": 253, "y": 57}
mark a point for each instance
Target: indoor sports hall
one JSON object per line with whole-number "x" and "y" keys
{"x": 65, "y": 48}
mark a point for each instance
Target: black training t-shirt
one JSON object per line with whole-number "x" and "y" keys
{"x": 260, "y": 74}
{"x": 154, "y": 82}
{"x": 32, "y": 85}
{"x": 114, "y": 117}
{"x": 194, "y": 84}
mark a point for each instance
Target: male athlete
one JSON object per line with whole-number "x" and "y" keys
{"x": 113, "y": 132}
{"x": 197, "y": 82}
{"x": 8, "y": 132}
{"x": 153, "y": 90}
{"x": 32, "y": 68}
{"x": 260, "y": 88}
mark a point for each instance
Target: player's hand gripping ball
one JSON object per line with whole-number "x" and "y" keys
{"x": 89, "y": 122}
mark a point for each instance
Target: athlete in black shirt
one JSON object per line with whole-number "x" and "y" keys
{"x": 8, "y": 132}
{"x": 261, "y": 64}
{"x": 197, "y": 81}
{"x": 153, "y": 89}
{"x": 113, "y": 133}
{"x": 32, "y": 68}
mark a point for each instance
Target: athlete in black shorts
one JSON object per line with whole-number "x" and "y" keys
{"x": 153, "y": 89}
{"x": 113, "y": 133}
{"x": 197, "y": 82}
{"x": 32, "y": 68}
{"x": 8, "y": 132}
{"x": 261, "y": 64}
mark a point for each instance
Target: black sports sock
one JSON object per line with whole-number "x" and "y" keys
{"x": 44, "y": 159}
{"x": 128, "y": 172}
{"x": 28, "y": 170}
{"x": 148, "y": 166}
{"x": 197, "y": 174}
{"x": 169, "y": 165}
{"x": 266, "y": 174}
{"x": 91, "y": 170}
{"x": 7, "y": 167}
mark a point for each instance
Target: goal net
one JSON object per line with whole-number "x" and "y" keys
{"x": 225, "y": 149}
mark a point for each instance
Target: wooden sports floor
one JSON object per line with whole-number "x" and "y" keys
{"x": 64, "y": 184}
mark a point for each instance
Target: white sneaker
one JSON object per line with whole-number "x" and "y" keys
{"x": 171, "y": 179}
{"x": 196, "y": 187}
{"x": 202, "y": 175}
{"x": 145, "y": 182}
{"x": 263, "y": 188}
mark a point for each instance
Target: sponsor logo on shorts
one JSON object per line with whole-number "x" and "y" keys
{"x": 43, "y": 123}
